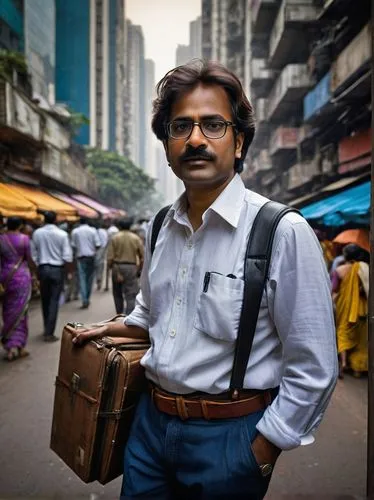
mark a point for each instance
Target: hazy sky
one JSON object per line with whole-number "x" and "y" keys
{"x": 165, "y": 24}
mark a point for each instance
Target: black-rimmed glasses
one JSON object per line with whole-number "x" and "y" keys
{"x": 212, "y": 129}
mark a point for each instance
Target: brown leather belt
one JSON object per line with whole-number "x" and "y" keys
{"x": 210, "y": 409}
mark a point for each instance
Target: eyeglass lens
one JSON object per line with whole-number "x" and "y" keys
{"x": 212, "y": 129}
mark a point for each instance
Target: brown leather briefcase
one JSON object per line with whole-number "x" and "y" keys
{"x": 97, "y": 389}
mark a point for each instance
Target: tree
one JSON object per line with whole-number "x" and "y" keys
{"x": 121, "y": 183}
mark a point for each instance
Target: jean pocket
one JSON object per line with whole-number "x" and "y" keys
{"x": 219, "y": 307}
{"x": 248, "y": 438}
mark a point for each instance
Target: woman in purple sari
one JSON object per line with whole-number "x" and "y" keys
{"x": 16, "y": 279}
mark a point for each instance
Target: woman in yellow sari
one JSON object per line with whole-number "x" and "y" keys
{"x": 350, "y": 292}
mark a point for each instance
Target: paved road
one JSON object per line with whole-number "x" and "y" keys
{"x": 334, "y": 467}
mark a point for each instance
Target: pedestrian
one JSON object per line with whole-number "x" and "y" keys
{"x": 111, "y": 231}
{"x": 71, "y": 278}
{"x": 206, "y": 125}
{"x": 125, "y": 257}
{"x": 350, "y": 288}
{"x": 15, "y": 278}
{"x": 52, "y": 253}
{"x": 100, "y": 254}
{"x": 86, "y": 242}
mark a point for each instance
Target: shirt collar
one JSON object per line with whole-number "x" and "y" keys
{"x": 228, "y": 205}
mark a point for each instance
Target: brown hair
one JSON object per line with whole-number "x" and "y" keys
{"x": 184, "y": 78}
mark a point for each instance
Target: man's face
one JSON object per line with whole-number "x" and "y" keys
{"x": 198, "y": 161}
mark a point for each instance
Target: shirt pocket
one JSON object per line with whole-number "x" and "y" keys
{"x": 219, "y": 307}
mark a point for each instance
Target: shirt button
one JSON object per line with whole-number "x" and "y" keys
{"x": 172, "y": 333}
{"x": 179, "y": 301}
{"x": 184, "y": 271}
{"x": 189, "y": 245}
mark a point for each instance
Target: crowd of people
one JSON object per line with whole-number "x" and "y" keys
{"x": 59, "y": 262}
{"x": 348, "y": 266}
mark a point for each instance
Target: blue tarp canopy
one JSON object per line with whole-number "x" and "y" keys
{"x": 351, "y": 205}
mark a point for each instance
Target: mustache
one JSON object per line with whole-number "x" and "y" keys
{"x": 199, "y": 153}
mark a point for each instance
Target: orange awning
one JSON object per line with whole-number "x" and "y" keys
{"x": 359, "y": 237}
{"x": 45, "y": 201}
{"x": 14, "y": 204}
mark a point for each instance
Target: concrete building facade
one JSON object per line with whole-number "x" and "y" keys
{"x": 225, "y": 34}
{"x": 135, "y": 77}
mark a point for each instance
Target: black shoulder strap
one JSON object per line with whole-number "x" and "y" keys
{"x": 256, "y": 267}
{"x": 157, "y": 224}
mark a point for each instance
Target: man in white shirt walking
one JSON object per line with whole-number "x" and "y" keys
{"x": 86, "y": 242}
{"x": 100, "y": 254}
{"x": 51, "y": 252}
{"x": 192, "y": 437}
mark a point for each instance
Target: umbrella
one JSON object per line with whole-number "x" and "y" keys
{"x": 359, "y": 237}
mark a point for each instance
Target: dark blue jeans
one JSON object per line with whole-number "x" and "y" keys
{"x": 86, "y": 272}
{"x": 170, "y": 459}
{"x": 51, "y": 285}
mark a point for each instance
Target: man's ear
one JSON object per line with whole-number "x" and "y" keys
{"x": 239, "y": 141}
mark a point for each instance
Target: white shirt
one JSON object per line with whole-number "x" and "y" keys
{"x": 50, "y": 245}
{"x": 85, "y": 240}
{"x": 103, "y": 235}
{"x": 193, "y": 332}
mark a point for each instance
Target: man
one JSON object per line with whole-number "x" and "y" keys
{"x": 85, "y": 242}
{"x": 100, "y": 255}
{"x": 125, "y": 256}
{"x": 205, "y": 123}
{"x": 51, "y": 252}
{"x": 111, "y": 231}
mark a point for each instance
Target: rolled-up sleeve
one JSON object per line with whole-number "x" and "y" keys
{"x": 140, "y": 314}
{"x": 300, "y": 304}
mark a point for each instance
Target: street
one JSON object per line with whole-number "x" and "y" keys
{"x": 334, "y": 467}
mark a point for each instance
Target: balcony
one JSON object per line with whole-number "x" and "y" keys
{"x": 20, "y": 121}
{"x": 283, "y": 141}
{"x": 303, "y": 173}
{"x": 353, "y": 66}
{"x": 262, "y": 78}
{"x": 289, "y": 89}
{"x": 261, "y": 138}
{"x": 262, "y": 162}
{"x": 263, "y": 15}
{"x": 288, "y": 39}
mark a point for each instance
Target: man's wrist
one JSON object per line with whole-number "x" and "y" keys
{"x": 264, "y": 450}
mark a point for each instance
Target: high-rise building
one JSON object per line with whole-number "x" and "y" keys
{"x": 182, "y": 55}
{"x": 11, "y": 25}
{"x": 225, "y": 26}
{"x": 195, "y": 37}
{"x": 40, "y": 46}
{"x": 185, "y": 53}
{"x": 90, "y": 48}
{"x": 135, "y": 78}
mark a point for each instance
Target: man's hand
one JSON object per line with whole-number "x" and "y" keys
{"x": 82, "y": 335}
{"x": 264, "y": 451}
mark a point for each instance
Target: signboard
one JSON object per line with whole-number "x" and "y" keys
{"x": 355, "y": 152}
{"x": 318, "y": 97}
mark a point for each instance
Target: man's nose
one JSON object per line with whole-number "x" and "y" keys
{"x": 197, "y": 137}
